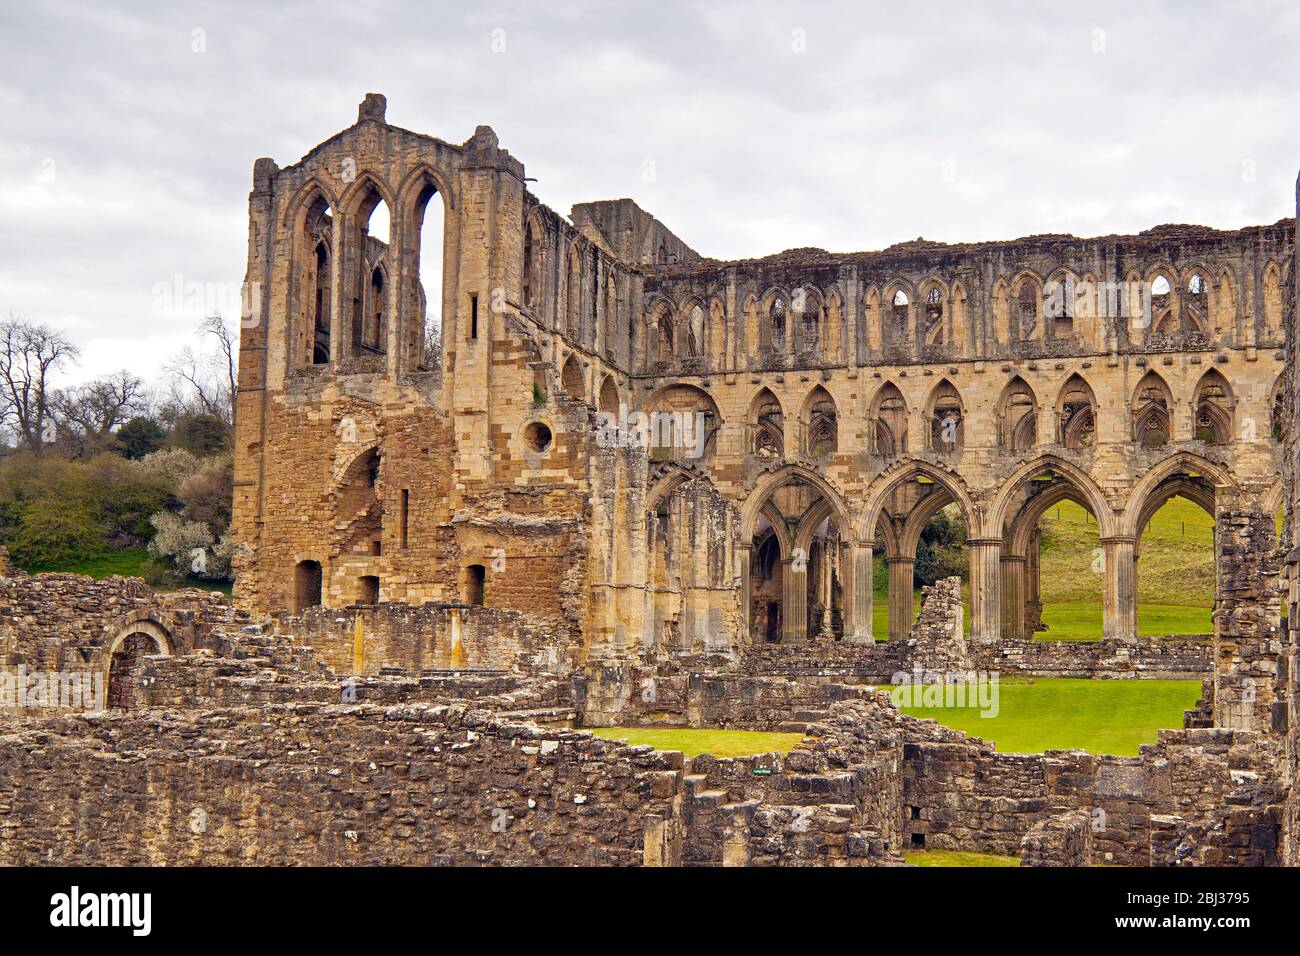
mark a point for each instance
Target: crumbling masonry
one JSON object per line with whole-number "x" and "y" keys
{"x": 624, "y": 483}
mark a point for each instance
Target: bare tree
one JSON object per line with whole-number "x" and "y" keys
{"x": 211, "y": 379}
{"x": 91, "y": 411}
{"x": 29, "y": 355}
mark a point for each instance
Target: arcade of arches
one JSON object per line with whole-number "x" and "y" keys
{"x": 655, "y": 454}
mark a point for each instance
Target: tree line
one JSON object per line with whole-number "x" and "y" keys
{"x": 117, "y": 471}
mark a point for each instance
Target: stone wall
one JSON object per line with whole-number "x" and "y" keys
{"x": 429, "y": 636}
{"x": 1062, "y": 840}
{"x": 316, "y": 784}
{"x": 961, "y": 794}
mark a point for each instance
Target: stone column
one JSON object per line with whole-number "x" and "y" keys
{"x": 901, "y": 579}
{"x": 985, "y": 588}
{"x": 1031, "y": 618}
{"x": 857, "y": 565}
{"x": 744, "y": 555}
{"x": 1119, "y": 594}
{"x": 1014, "y": 568}
{"x": 794, "y": 609}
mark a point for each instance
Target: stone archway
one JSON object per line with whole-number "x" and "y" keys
{"x": 142, "y": 638}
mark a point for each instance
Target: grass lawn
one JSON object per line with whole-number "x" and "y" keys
{"x": 957, "y": 858}
{"x": 128, "y": 563}
{"x": 719, "y": 743}
{"x": 1100, "y": 716}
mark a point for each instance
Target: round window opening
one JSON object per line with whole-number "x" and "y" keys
{"x": 537, "y": 437}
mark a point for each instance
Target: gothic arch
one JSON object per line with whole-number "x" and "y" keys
{"x": 609, "y": 396}
{"x": 887, "y": 482}
{"x": 819, "y": 419}
{"x": 766, "y": 424}
{"x": 774, "y": 480}
{"x": 1017, "y": 416}
{"x": 888, "y": 421}
{"x": 946, "y": 417}
{"x": 1179, "y": 461}
{"x": 1151, "y": 411}
{"x": 1076, "y": 414}
{"x": 1093, "y": 498}
{"x": 572, "y": 379}
{"x": 1212, "y": 407}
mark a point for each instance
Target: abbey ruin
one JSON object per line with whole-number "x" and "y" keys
{"x": 623, "y": 483}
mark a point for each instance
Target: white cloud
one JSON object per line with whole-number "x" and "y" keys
{"x": 769, "y": 125}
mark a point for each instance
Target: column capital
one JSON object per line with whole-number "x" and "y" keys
{"x": 1119, "y": 539}
{"x": 1017, "y": 558}
{"x": 899, "y": 559}
{"x": 984, "y": 541}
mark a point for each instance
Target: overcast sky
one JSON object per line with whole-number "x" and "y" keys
{"x": 128, "y": 130}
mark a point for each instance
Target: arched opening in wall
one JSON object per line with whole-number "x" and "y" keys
{"x": 1160, "y": 292}
{"x": 1017, "y": 417}
{"x": 609, "y": 400}
{"x": 665, "y": 340}
{"x": 610, "y": 346}
{"x": 475, "y": 584}
{"x": 897, "y": 333}
{"x": 122, "y": 664}
{"x": 683, "y": 421}
{"x": 533, "y": 270}
{"x": 825, "y": 600}
{"x": 308, "y": 586}
{"x": 1027, "y": 297}
{"x": 368, "y": 589}
{"x": 1151, "y": 411}
{"x": 767, "y": 426}
{"x": 946, "y": 417}
{"x": 1052, "y": 566}
{"x": 921, "y": 538}
{"x": 808, "y": 303}
{"x": 889, "y": 421}
{"x": 425, "y": 320}
{"x": 1175, "y": 558}
{"x": 1197, "y": 297}
{"x": 1271, "y": 319}
{"x": 371, "y": 239}
{"x": 777, "y": 325}
{"x": 941, "y": 552}
{"x": 358, "y": 512}
{"x": 1214, "y": 405}
{"x": 1058, "y": 305}
{"x": 1277, "y": 418}
{"x": 807, "y": 599}
{"x": 766, "y": 586}
{"x": 573, "y": 295}
{"x": 318, "y": 233}
{"x": 821, "y": 423}
{"x": 934, "y": 326}
{"x": 1076, "y": 414}
{"x": 693, "y": 345}
{"x": 571, "y": 379}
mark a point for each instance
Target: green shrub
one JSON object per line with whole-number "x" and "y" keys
{"x": 52, "y": 533}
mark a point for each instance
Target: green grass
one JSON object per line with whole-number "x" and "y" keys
{"x": 1099, "y": 716}
{"x": 1175, "y": 572}
{"x": 1175, "y": 575}
{"x": 1081, "y": 620}
{"x": 957, "y": 858}
{"x": 691, "y": 742}
{"x": 128, "y": 563}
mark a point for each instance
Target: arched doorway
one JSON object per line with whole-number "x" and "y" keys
{"x": 135, "y": 641}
